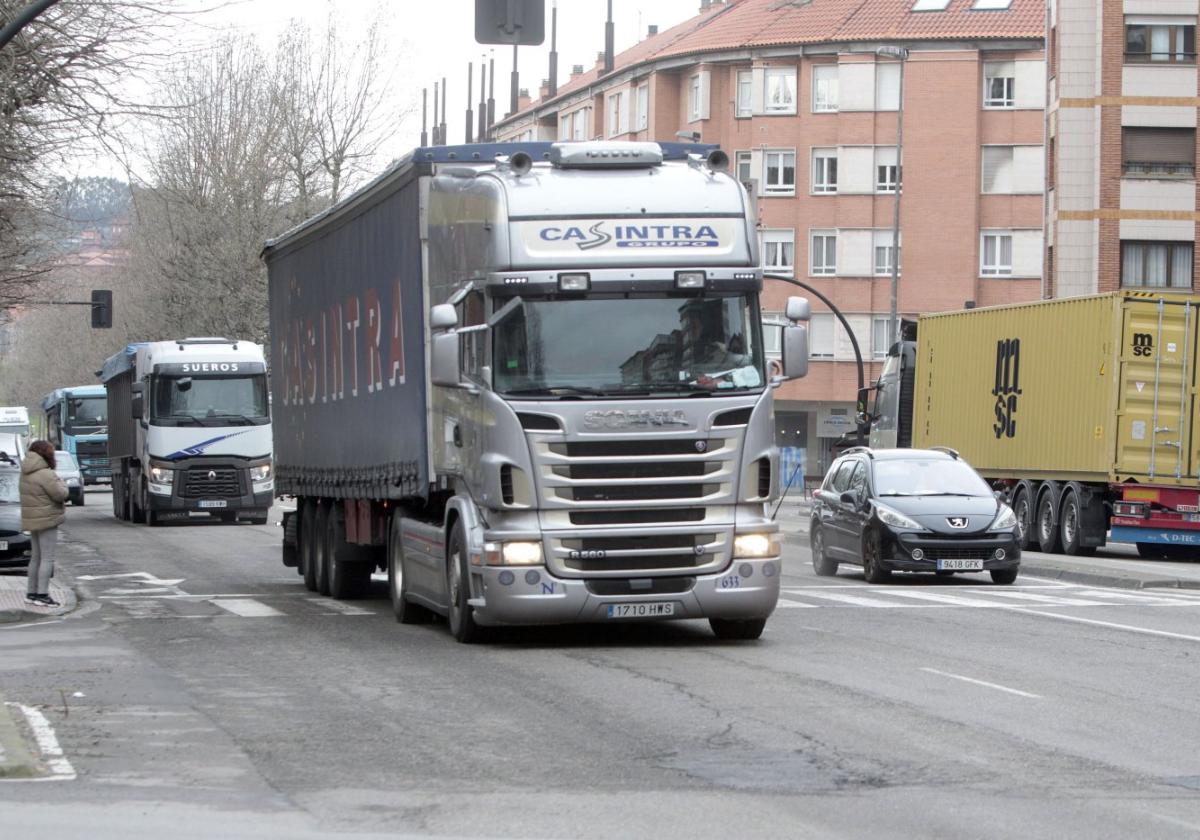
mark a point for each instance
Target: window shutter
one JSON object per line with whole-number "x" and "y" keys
{"x": 704, "y": 94}
{"x": 997, "y": 169}
{"x": 1158, "y": 145}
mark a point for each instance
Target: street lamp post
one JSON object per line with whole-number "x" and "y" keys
{"x": 899, "y": 54}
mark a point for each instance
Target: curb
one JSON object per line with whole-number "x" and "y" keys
{"x": 16, "y": 761}
{"x": 1097, "y": 578}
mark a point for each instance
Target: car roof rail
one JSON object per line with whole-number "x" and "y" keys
{"x": 953, "y": 453}
{"x": 859, "y": 450}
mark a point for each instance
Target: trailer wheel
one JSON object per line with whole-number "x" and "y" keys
{"x": 1047, "y": 519}
{"x": 137, "y": 513}
{"x": 1072, "y": 523}
{"x": 321, "y": 548}
{"x": 459, "y": 613}
{"x": 348, "y": 579}
{"x": 308, "y": 563}
{"x": 725, "y": 628}
{"x": 405, "y": 611}
{"x": 1023, "y": 508}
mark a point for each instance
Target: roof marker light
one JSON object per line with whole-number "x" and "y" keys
{"x": 574, "y": 281}
{"x": 689, "y": 279}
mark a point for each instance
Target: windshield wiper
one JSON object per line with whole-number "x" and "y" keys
{"x": 179, "y": 418}
{"x": 242, "y": 419}
{"x": 963, "y": 495}
{"x": 556, "y": 391}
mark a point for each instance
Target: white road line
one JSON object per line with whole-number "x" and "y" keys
{"x": 784, "y": 603}
{"x": 1129, "y": 627}
{"x": 247, "y": 607}
{"x": 339, "y": 607}
{"x": 973, "y": 681}
{"x": 856, "y": 600}
{"x": 1052, "y": 600}
{"x": 946, "y": 598}
{"x": 58, "y": 765}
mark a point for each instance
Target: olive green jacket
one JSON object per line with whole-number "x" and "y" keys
{"x": 42, "y": 494}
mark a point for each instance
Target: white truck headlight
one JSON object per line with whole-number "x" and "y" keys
{"x": 162, "y": 475}
{"x": 260, "y": 473}
{"x": 754, "y": 546}
{"x": 522, "y": 553}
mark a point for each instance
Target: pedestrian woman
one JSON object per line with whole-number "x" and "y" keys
{"x": 42, "y": 497}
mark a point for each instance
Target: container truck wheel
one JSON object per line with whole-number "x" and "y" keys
{"x": 1047, "y": 519}
{"x": 1071, "y": 525}
{"x": 137, "y": 513}
{"x": 873, "y": 568}
{"x": 406, "y": 612}
{"x": 822, "y": 564}
{"x": 320, "y": 553}
{"x": 308, "y": 564}
{"x": 726, "y": 628}
{"x": 347, "y": 579}
{"x": 459, "y": 613}
{"x": 1023, "y": 507}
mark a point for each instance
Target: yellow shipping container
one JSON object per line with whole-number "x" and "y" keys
{"x": 1096, "y": 389}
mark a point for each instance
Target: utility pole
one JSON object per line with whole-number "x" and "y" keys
{"x": 491, "y": 103}
{"x": 482, "y": 133}
{"x": 468, "y": 135}
{"x": 899, "y": 54}
{"x": 554, "y": 49}
{"x": 424, "y": 116}
{"x": 436, "y": 137}
{"x": 608, "y": 41}
{"x": 513, "y": 90}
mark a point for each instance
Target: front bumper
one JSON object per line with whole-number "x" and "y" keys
{"x": 746, "y": 589}
{"x": 900, "y": 558}
{"x": 16, "y": 552}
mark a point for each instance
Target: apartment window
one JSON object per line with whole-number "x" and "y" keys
{"x": 780, "y": 90}
{"x": 823, "y": 252}
{"x": 825, "y": 88}
{"x": 564, "y": 127}
{"x": 643, "y": 107}
{"x": 578, "y": 122}
{"x": 880, "y": 336}
{"x": 887, "y": 170}
{"x": 618, "y": 119}
{"x": 744, "y": 165}
{"x": 1156, "y": 265}
{"x": 820, "y": 336}
{"x": 1158, "y": 152}
{"x": 999, "y": 84}
{"x": 695, "y": 94}
{"x": 997, "y": 169}
{"x": 883, "y": 253}
{"x": 1163, "y": 41}
{"x": 745, "y": 93}
{"x": 824, "y": 171}
{"x": 887, "y": 86}
{"x": 780, "y": 169}
{"x": 995, "y": 254}
{"x": 779, "y": 251}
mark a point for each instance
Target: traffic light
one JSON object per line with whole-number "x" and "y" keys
{"x": 102, "y": 309}
{"x": 510, "y": 22}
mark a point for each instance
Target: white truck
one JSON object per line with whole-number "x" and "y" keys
{"x": 189, "y": 431}
{"x": 14, "y": 431}
{"x": 528, "y": 380}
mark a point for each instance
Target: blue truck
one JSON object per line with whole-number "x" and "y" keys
{"x": 77, "y": 422}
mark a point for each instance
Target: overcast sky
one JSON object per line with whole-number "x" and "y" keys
{"x": 442, "y": 38}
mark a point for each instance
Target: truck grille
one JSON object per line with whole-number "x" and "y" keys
{"x": 211, "y": 483}
{"x": 93, "y": 457}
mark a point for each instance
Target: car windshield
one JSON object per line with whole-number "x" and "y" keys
{"x": 628, "y": 344}
{"x": 65, "y": 462}
{"x": 927, "y": 477}
{"x": 210, "y": 400}
{"x": 10, "y": 487}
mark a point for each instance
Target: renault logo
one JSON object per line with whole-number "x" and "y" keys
{"x": 212, "y": 475}
{"x": 957, "y": 521}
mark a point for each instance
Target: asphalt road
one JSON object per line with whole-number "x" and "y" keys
{"x": 203, "y": 692}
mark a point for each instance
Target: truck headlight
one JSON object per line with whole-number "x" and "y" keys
{"x": 1004, "y": 520}
{"x": 754, "y": 546}
{"x": 260, "y": 473}
{"x": 522, "y": 553}
{"x": 162, "y": 475}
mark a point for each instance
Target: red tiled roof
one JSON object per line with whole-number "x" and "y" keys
{"x": 766, "y": 23}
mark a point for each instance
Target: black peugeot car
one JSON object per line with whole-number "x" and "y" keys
{"x": 14, "y": 545}
{"x": 911, "y": 510}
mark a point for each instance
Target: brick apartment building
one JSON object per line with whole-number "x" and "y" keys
{"x": 794, "y": 91}
{"x": 1122, "y": 194}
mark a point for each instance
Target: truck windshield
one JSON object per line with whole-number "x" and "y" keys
{"x": 631, "y": 344}
{"x": 210, "y": 400}
{"x": 86, "y": 413}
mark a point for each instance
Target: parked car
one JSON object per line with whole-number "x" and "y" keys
{"x": 911, "y": 510}
{"x": 68, "y": 470}
{"x": 14, "y": 545}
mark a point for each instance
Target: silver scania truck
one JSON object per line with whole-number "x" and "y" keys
{"x": 528, "y": 381}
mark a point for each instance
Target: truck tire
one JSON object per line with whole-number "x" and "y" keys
{"x": 308, "y": 544}
{"x": 745, "y": 629}
{"x": 137, "y": 513}
{"x": 118, "y": 498}
{"x": 79, "y": 499}
{"x": 1047, "y": 519}
{"x": 1071, "y": 524}
{"x": 822, "y": 564}
{"x": 460, "y": 615}
{"x": 1023, "y": 505}
{"x": 348, "y": 579}
{"x": 321, "y": 548}
{"x": 405, "y": 611}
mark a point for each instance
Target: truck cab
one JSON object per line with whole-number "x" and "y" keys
{"x": 77, "y": 422}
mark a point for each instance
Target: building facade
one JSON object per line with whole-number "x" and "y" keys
{"x": 808, "y": 111}
{"x": 1121, "y": 127}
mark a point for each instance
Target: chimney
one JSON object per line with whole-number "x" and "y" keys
{"x": 705, "y": 5}
{"x": 600, "y": 61}
{"x": 652, "y": 31}
{"x": 523, "y": 100}
{"x": 576, "y": 71}
{"x": 544, "y": 90}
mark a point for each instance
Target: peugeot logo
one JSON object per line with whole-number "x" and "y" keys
{"x": 957, "y": 521}
{"x": 212, "y": 475}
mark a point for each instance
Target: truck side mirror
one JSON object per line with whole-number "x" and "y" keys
{"x": 443, "y": 317}
{"x": 795, "y": 351}
{"x": 137, "y": 408}
{"x": 443, "y": 360}
{"x": 797, "y": 309}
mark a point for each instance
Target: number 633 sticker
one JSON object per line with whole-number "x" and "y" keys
{"x": 729, "y": 582}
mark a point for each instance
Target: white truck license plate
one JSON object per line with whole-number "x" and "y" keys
{"x": 3, "y": 545}
{"x": 213, "y": 503}
{"x": 954, "y": 564}
{"x": 640, "y": 610}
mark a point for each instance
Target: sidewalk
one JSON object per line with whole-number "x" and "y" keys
{"x": 13, "y": 606}
{"x": 1118, "y": 565}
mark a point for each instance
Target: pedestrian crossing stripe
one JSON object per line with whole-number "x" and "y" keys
{"x": 982, "y": 597}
